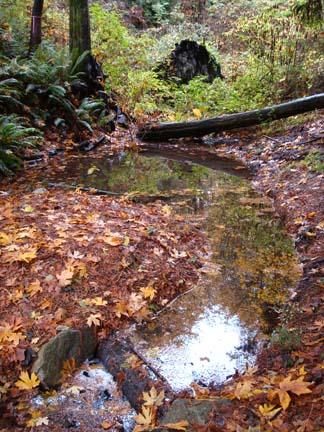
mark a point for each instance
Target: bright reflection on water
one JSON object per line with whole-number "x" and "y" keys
{"x": 212, "y": 331}
{"x": 205, "y": 351}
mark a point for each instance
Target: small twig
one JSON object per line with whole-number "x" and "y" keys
{"x": 311, "y": 140}
{"x": 83, "y": 189}
{"x": 144, "y": 360}
{"x": 171, "y": 303}
{"x": 272, "y": 139}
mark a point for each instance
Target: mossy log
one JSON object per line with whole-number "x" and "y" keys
{"x": 198, "y": 128}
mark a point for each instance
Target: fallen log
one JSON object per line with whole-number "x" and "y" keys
{"x": 198, "y": 128}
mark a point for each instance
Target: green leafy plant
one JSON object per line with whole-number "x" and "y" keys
{"x": 314, "y": 160}
{"x": 285, "y": 339}
{"x": 10, "y": 95}
{"x": 15, "y": 136}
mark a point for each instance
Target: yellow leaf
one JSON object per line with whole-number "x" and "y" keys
{"x": 37, "y": 419}
{"x": 28, "y": 209}
{"x": 92, "y": 169}
{"x": 166, "y": 209}
{"x": 146, "y": 419}
{"x": 181, "y": 425}
{"x": 153, "y": 398}
{"x": 269, "y": 411}
{"x": 284, "y": 399}
{"x": 94, "y": 319}
{"x": 310, "y": 234}
{"x": 27, "y": 382}
{"x": 5, "y": 239}
{"x": 197, "y": 113}
{"x": 98, "y": 301}
{"x": 148, "y": 292}
{"x": 27, "y": 256}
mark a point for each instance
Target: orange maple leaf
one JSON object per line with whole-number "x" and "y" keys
{"x": 298, "y": 387}
{"x": 34, "y": 288}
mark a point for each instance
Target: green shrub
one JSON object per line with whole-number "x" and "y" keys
{"x": 15, "y": 136}
{"x": 155, "y": 10}
{"x": 314, "y": 160}
{"x": 288, "y": 51}
{"x": 285, "y": 339}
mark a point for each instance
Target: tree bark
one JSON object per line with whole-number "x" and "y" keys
{"x": 80, "y": 39}
{"x": 80, "y": 43}
{"x": 198, "y": 128}
{"x": 36, "y": 26}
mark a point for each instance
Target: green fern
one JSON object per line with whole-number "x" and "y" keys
{"x": 14, "y": 138}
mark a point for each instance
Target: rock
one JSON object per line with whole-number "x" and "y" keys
{"x": 69, "y": 343}
{"x": 194, "y": 411}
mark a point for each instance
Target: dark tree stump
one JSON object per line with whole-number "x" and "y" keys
{"x": 189, "y": 60}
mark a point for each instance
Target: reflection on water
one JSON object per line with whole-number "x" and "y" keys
{"x": 210, "y": 332}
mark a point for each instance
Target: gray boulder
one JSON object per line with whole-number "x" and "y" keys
{"x": 194, "y": 411}
{"x": 68, "y": 344}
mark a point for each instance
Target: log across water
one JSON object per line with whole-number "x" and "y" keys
{"x": 198, "y": 128}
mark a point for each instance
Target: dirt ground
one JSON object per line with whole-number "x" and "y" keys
{"x": 74, "y": 258}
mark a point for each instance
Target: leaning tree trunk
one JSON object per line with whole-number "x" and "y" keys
{"x": 36, "y": 26}
{"x": 200, "y": 128}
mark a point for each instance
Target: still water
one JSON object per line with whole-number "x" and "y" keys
{"x": 213, "y": 330}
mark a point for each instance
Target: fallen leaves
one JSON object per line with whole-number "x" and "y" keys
{"x": 153, "y": 398}
{"x": 94, "y": 319}
{"x": 37, "y": 419}
{"x": 65, "y": 277}
{"x": 297, "y": 386}
{"x": 26, "y": 381}
{"x": 148, "y": 292}
{"x": 145, "y": 420}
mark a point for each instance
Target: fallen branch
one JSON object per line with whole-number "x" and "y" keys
{"x": 200, "y": 128}
{"x": 94, "y": 191}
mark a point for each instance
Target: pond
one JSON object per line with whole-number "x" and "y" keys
{"x": 213, "y": 330}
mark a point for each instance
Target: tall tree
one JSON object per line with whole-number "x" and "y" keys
{"x": 36, "y": 25}
{"x": 80, "y": 44}
{"x": 80, "y": 39}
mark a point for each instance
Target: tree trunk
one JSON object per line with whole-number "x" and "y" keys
{"x": 201, "y": 16}
{"x": 80, "y": 39}
{"x": 36, "y": 26}
{"x": 232, "y": 121}
{"x": 80, "y": 43}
